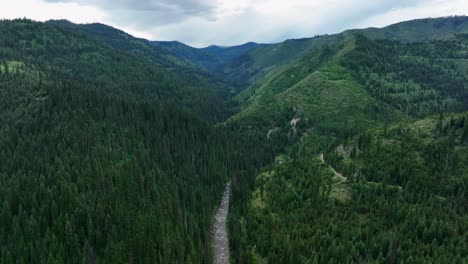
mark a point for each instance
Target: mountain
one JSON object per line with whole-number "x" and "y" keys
{"x": 125, "y": 42}
{"x": 314, "y": 94}
{"x": 254, "y": 65}
{"x": 211, "y": 58}
{"x": 88, "y": 176}
{"x": 344, "y": 148}
{"x": 196, "y": 56}
{"x": 229, "y": 53}
{"x": 247, "y": 64}
{"x": 434, "y": 152}
{"x": 103, "y": 156}
{"x": 357, "y": 83}
{"x": 390, "y": 194}
{"x": 419, "y": 29}
{"x": 205, "y": 86}
{"x": 368, "y": 132}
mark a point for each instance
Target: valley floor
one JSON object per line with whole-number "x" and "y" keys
{"x": 220, "y": 234}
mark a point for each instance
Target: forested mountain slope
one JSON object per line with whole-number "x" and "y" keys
{"x": 196, "y": 56}
{"x": 201, "y": 83}
{"x": 392, "y": 194}
{"x": 229, "y": 53}
{"x": 246, "y": 64}
{"x": 97, "y": 163}
{"x": 116, "y": 149}
{"x": 418, "y": 30}
{"x": 316, "y": 90}
{"x": 123, "y": 41}
{"x": 434, "y": 159}
{"x": 362, "y": 173}
{"x": 90, "y": 177}
{"x": 211, "y": 58}
{"x": 254, "y": 65}
{"x": 357, "y": 84}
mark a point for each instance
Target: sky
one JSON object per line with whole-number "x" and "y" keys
{"x": 230, "y": 22}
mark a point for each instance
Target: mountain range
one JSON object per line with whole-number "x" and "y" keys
{"x": 343, "y": 148}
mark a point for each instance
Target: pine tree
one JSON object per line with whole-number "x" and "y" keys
{"x": 464, "y": 137}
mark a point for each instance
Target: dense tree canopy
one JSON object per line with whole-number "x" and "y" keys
{"x": 396, "y": 186}
{"x": 110, "y": 151}
{"x": 97, "y": 164}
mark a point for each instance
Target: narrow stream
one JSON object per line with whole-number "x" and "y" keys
{"x": 220, "y": 234}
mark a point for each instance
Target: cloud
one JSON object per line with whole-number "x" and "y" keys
{"x": 39, "y": 10}
{"x": 237, "y": 22}
{"x": 150, "y": 12}
{"x": 228, "y": 22}
{"x": 434, "y": 8}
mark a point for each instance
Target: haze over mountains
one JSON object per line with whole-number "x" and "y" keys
{"x": 344, "y": 148}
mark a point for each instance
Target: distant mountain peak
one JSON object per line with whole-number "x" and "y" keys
{"x": 60, "y": 21}
{"x": 214, "y": 46}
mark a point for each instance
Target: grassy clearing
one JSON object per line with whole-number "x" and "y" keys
{"x": 259, "y": 195}
{"x": 13, "y": 66}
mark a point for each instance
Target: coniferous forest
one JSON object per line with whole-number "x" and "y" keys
{"x": 345, "y": 148}
{"x": 93, "y": 169}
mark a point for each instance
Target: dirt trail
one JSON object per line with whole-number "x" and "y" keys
{"x": 219, "y": 231}
{"x": 342, "y": 178}
{"x": 337, "y": 174}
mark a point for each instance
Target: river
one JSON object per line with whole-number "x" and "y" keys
{"x": 219, "y": 231}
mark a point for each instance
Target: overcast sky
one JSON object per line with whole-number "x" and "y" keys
{"x": 229, "y": 22}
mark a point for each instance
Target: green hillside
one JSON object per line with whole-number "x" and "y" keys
{"x": 418, "y": 78}
{"x": 87, "y": 176}
{"x": 434, "y": 159}
{"x": 254, "y": 65}
{"x": 418, "y": 30}
{"x": 340, "y": 194}
{"x": 257, "y": 63}
{"x": 202, "y": 83}
{"x": 344, "y": 148}
{"x": 251, "y": 63}
{"x": 99, "y": 161}
{"x": 229, "y": 53}
{"x": 196, "y": 56}
{"x": 392, "y": 194}
{"x": 357, "y": 84}
{"x": 121, "y": 40}
{"x": 74, "y": 56}
{"x": 318, "y": 93}
{"x": 212, "y": 58}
